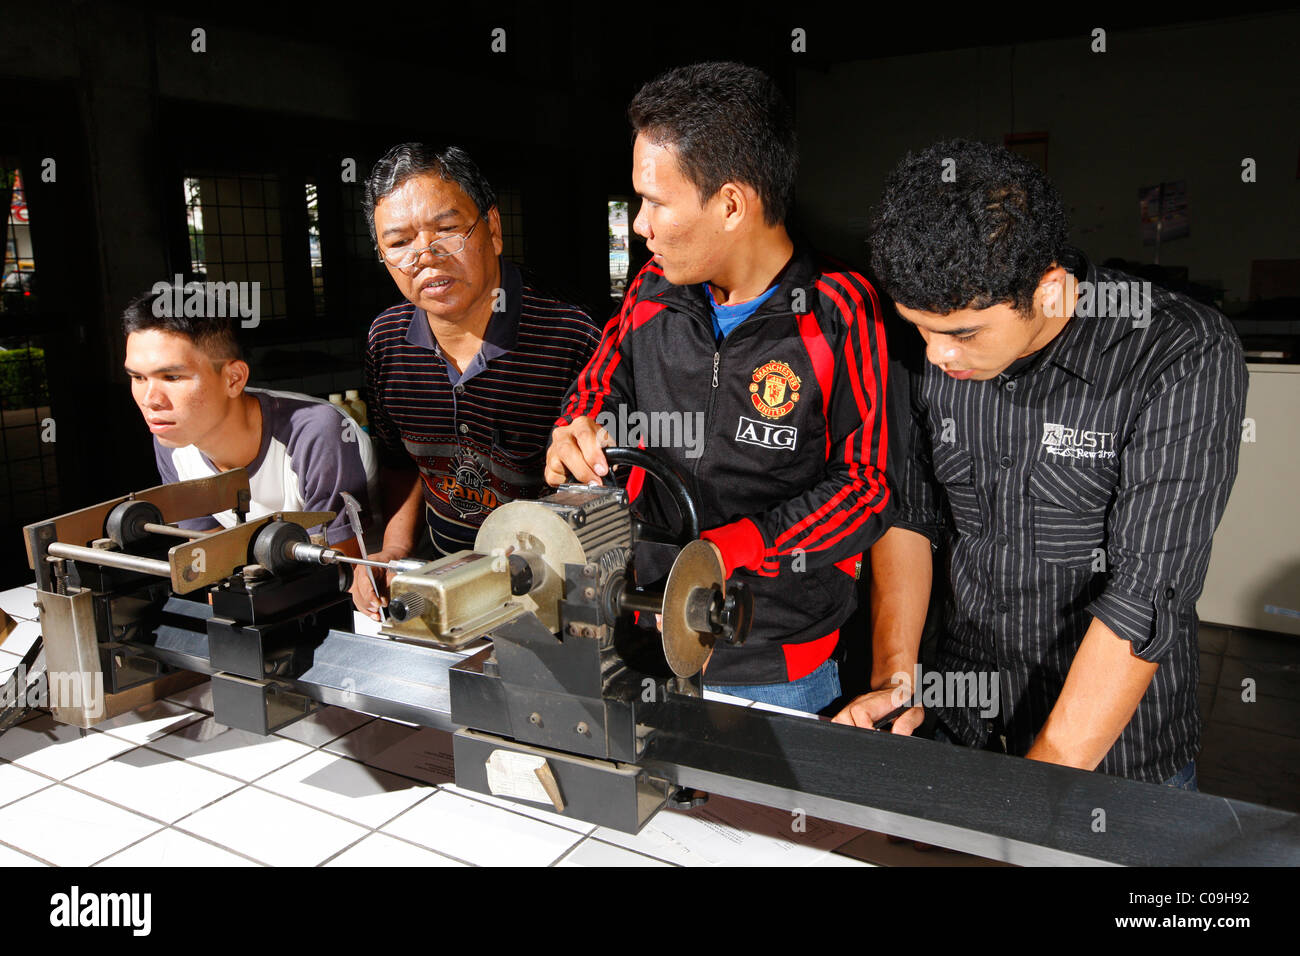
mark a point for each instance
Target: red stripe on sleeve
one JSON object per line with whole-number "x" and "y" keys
{"x": 875, "y": 389}
{"x": 854, "y": 378}
{"x": 641, "y": 313}
{"x": 823, "y": 364}
{"x": 583, "y": 400}
{"x": 644, "y": 312}
{"x": 869, "y": 490}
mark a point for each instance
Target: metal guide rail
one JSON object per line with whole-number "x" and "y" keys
{"x": 526, "y": 650}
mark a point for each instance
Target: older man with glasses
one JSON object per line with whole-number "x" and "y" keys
{"x": 465, "y": 376}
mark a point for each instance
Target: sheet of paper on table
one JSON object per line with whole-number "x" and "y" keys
{"x": 727, "y": 832}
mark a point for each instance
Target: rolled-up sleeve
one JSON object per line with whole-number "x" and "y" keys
{"x": 1176, "y": 471}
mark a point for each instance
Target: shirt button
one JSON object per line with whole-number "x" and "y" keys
{"x": 1011, "y": 385}
{"x": 1169, "y": 594}
{"x": 460, "y": 389}
{"x": 464, "y": 429}
{"x": 1005, "y": 461}
{"x": 1001, "y": 539}
{"x": 1002, "y": 607}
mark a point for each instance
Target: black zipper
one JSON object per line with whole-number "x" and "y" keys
{"x": 708, "y": 419}
{"x": 713, "y": 390}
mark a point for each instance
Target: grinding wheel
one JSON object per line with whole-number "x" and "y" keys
{"x": 685, "y": 647}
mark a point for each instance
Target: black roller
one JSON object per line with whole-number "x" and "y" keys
{"x": 125, "y": 525}
{"x": 271, "y": 547}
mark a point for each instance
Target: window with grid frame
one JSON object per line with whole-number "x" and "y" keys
{"x": 234, "y": 222}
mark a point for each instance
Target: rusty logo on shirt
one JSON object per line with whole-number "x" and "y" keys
{"x": 1077, "y": 442}
{"x": 774, "y": 389}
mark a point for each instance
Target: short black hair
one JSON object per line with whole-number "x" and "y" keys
{"x": 965, "y": 224}
{"x": 726, "y": 122}
{"x": 213, "y": 335}
{"x": 451, "y": 164}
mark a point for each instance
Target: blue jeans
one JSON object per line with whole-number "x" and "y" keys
{"x": 811, "y": 693}
{"x": 1184, "y": 779}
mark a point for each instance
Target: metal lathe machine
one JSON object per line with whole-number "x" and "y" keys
{"x": 570, "y": 704}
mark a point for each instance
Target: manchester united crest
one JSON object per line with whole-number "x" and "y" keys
{"x": 774, "y": 389}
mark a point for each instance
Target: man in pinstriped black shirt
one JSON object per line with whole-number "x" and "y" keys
{"x": 1074, "y": 439}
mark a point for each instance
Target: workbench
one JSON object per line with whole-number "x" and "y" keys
{"x": 165, "y": 785}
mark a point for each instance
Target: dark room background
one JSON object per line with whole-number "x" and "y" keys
{"x": 130, "y": 156}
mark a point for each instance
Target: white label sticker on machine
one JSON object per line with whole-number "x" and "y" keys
{"x": 522, "y": 777}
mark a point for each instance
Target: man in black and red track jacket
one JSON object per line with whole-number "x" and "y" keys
{"x": 757, "y": 368}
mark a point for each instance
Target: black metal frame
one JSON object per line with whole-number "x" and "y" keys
{"x": 616, "y": 742}
{"x": 992, "y": 805}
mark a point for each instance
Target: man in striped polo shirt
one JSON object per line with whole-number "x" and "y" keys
{"x": 467, "y": 375}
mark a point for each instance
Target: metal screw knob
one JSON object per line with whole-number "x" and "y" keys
{"x": 408, "y": 606}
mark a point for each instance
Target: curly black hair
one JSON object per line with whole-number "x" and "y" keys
{"x": 985, "y": 237}
{"x": 727, "y": 122}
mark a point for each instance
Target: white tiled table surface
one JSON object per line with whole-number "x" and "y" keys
{"x": 166, "y": 785}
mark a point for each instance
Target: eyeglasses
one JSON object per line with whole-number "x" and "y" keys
{"x": 404, "y": 259}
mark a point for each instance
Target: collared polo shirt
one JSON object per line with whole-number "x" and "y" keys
{"x": 1086, "y": 482}
{"x": 479, "y": 437}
